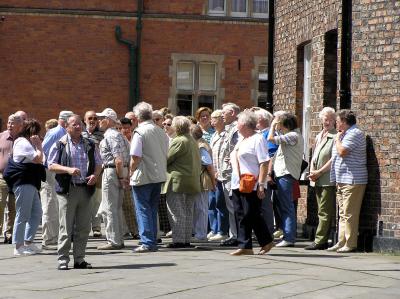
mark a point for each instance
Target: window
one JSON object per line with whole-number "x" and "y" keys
{"x": 216, "y": 7}
{"x": 196, "y": 86}
{"x": 260, "y": 8}
{"x": 184, "y": 76}
{"x": 239, "y": 8}
{"x": 262, "y": 85}
{"x": 207, "y": 76}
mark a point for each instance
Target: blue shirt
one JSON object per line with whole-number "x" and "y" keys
{"x": 352, "y": 168}
{"x": 51, "y": 137}
{"x": 272, "y": 147}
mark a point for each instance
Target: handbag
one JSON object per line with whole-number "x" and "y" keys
{"x": 247, "y": 180}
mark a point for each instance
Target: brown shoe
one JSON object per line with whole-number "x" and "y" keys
{"x": 109, "y": 246}
{"x": 241, "y": 251}
{"x": 266, "y": 248}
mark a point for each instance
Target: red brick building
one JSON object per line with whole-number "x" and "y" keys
{"x": 316, "y": 66}
{"x": 57, "y": 55}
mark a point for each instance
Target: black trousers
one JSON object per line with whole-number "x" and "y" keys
{"x": 249, "y": 217}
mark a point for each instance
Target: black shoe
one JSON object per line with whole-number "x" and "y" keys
{"x": 135, "y": 236}
{"x": 159, "y": 241}
{"x": 314, "y": 246}
{"x": 83, "y": 265}
{"x": 178, "y": 245}
{"x": 229, "y": 242}
{"x": 7, "y": 240}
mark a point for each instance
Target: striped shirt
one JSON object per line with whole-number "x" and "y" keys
{"x": 216, "y": 144}
{"x": 352, "y": 168}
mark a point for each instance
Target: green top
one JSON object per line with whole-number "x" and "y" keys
{"x": 322, "y": 154}
{"x": 183, "y": 166}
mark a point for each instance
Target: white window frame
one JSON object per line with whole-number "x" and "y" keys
{"x": 240, "y": 14}
{"x": 307, "y": 99}
{"x": 217, "y": 12}
{"x": 215, "y": 76}
{"x": 260, "y": 15}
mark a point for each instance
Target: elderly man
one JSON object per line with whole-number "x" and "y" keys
{"x": 148, "y": 152}
{"x": 114, "y": 151}
{"x": 14, "y": 126}
{"x": 93, "y": 133}
{"x": 230, "y": 112}
{"x": 77, "y": 165}
{"x": 50, "y": 220}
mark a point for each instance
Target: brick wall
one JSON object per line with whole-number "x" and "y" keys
{"x": 53, "y": 62}
{"x": 376, "y": 98}
{"x": 120, "y": 5}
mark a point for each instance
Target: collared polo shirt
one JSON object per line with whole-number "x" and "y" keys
{"x": 352, "y": 168}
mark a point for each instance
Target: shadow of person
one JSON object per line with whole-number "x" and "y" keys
{"x": 134, "y": 266}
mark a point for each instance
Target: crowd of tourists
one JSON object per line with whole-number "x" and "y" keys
{"x": 216, "y": 176}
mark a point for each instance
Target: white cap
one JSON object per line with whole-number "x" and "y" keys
{"x": 65, "y": 114}
{"x": 109, "y": 113}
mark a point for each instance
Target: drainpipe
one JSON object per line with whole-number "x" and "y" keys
{"x": 345, "y": 70}
{"x": 139, "y": 26}
{"x": 271, "y": 32}
{"x": 132, "y": 66}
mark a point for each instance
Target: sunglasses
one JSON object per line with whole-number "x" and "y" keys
{"x": 92, "y": 118}
{"x": 164, "y": 124}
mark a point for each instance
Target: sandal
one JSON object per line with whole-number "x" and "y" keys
{"x": 62, "y": 266}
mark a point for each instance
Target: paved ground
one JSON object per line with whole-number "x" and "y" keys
{"x": 207, "y": 271}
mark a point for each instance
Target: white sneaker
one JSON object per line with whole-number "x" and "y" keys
{"x": 335, "y": 247}
{"x": 23, "y": 251}
{"x": 169, "y": 234}
{"x": 210, "y": 235}
{"x": 34, "y": 248}
{"x": 218, "y": 237}
{"x": 284, "y": 243}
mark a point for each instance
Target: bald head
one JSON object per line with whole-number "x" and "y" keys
{"x": 22, "y": 114}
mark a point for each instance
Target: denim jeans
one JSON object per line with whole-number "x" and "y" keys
{"x": 147, "y": 198}
{"x": 286, "y": 207}
{"x": 28, "y": 213}
{"x": 217, "y": 212}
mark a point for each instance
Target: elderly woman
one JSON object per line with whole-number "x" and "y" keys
{"x": 250, "y": 157}
{"x": 27, "y": 158}
{"x": 158, "y": 118}
{"x": 183, "y": 182}
{"x": 203, "y": 116}
{"x": 218, "y": 216}
{"x": 349, "y": 171}
{"x": 207, "y": 179}
{"x": 167, "y": 125}
{"x": 320, "y": 177}
{"x": 287, "y": 169}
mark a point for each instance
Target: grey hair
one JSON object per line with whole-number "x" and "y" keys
{"x": 279, "y": 113}
{"x": 157, "y": 113}
{"x": 196, "y": 132}
{"x": 264, "y": 114}
{"x": 248, "y": 118}
{"x": 181, "y": 124}
{"x": 328, "y": 111}
{"x": 15, "y": 118}
{"x": 231, "y": 106}
{"x": 217, "y": 113}
{"x": 143, "y": 111}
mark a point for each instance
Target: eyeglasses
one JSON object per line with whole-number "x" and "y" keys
{"x": 92, "y": 118}
{"x": 165, "y": 124}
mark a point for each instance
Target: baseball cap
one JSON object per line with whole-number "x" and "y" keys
{"x": 109, "y": 113}
{"x": 65, "y": 114}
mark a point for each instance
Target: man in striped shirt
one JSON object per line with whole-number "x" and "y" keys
{"x": 349, "y": 171}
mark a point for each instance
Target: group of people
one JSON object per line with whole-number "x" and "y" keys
{"x": 219, "y": 176}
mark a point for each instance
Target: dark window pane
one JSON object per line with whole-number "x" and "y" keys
{"x": 206, "y": 101}
{"x": 263, "y": 86}
{"x": 262, "y": 102}
{"x": 184, "y": 104}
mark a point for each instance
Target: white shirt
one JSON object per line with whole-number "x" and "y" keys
{"x": 23, "y": 149}
{"x": 252, "y": 152}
